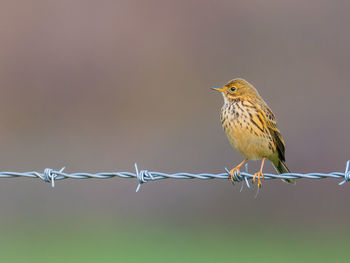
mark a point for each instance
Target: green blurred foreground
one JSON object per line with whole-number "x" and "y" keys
{"x": 119, "y": 242}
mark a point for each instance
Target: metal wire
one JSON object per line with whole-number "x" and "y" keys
{"x": 144, "y": 176}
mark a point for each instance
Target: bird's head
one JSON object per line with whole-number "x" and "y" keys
{"x": 237, "y": 88}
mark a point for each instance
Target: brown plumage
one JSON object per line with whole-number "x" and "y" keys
{"x": 251, "y": 127}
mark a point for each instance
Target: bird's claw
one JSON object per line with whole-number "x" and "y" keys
{"x": 259, "y": 175}
{"x": 232, "y": 172}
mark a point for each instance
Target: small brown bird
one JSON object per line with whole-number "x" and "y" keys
{"x": 251, "y": 127}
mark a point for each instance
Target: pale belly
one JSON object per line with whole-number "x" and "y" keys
{"x": 248, "y": 144}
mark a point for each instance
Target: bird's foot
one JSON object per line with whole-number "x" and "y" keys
{"x": 233, "y": 171}
{"x": 236, "y": 170}
{"x": 259, "y": 175}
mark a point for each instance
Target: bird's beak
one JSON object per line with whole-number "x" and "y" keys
{"x": 218, "y": 89}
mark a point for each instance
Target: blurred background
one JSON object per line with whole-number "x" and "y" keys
{"x": 99, "y": 85}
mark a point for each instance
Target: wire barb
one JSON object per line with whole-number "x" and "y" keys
{"x": 143, "y": 177}
{"x": 50, "y": 175}
{"x": 346, "y": 174}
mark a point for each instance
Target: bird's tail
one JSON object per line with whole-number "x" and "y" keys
{"x": 282, "y": 168}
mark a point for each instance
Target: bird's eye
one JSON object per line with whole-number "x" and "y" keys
{"x": 233, "y": 89}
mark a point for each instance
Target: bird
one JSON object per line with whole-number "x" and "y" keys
{"x": 251, "y": 128}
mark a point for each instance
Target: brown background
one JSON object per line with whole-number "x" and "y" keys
{"x": 99, "y": 85}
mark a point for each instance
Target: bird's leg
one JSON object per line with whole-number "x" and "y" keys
{"x": 236, "y": 169}
{"x": 258, "y": 174}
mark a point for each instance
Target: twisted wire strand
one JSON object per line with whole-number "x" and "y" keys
{"x": 143, "y": 176}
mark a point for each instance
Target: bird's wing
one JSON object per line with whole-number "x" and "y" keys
{"x": 271, "y": 125}
{"x": 265, "y": 119}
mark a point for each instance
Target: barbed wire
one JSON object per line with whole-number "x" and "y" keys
{"x": 143, "y": 176}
